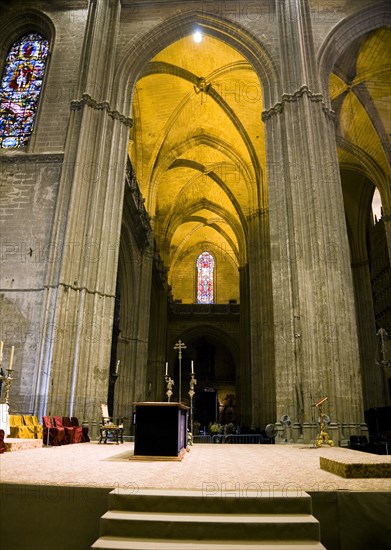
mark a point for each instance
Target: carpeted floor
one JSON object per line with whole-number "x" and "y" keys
{"x": 212, "y": 468}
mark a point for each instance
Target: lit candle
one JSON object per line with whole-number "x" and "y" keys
{"x": 192, "y": 367}
{"x": 166, "y": 369}
{"x": 11, "y": 357}
{"x": 117, "y": 367}
{"x": 1, "y": 350}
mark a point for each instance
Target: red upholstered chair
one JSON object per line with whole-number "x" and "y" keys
{"x": 2, "y": 444}
{"x": 69, "y": 431}
{"x": 77, "y": 431}
{"x": 75, "y": 423}
{"x": 56, "y": 435}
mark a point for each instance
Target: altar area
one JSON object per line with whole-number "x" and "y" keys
{"x": 284, "y": 467}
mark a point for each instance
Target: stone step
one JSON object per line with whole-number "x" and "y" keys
{"x": 153, "y": 519}
{"x": 225, "y": 501}
{"x": 210, "y": 526}
{"x": 121, "y": 543}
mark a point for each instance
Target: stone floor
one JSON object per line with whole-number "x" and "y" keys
{"x": 212, "y": 468}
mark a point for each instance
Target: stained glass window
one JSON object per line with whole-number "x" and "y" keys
{"x": 205, "y": 286}
{"x": 21, "y": 86}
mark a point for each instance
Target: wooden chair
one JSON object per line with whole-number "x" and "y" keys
{"x": 109, "y": 430}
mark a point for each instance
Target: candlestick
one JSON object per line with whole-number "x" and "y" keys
{"x": 11, "y": 358}
{"x": 170, "y": 383}
{"x": 193, "y": 383}
{"x": 323, "y": 436}
{"x": 7, "y": 379}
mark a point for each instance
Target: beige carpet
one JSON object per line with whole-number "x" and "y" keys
{"x": 212, "y": 468}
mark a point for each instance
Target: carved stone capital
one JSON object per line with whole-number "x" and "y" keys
{"x": 289, "y": 98}
{"x": 258, "y": 213}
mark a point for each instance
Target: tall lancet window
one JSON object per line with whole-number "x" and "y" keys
{"x": 205, "y": 282}
{"x": 21, "y": 85}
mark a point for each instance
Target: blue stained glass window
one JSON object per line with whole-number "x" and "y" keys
{"x": 21, "y": 86}
{"x": 205, "y": 281}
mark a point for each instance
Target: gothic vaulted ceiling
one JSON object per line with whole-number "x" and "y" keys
{"x": 197, "y": 146}
{"x": 360, "y": 90}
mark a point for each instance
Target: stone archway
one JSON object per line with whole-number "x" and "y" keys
{"x": 354, "y": 61}
{"x": 237, "y": 215}
{"x": 215, "y": 353}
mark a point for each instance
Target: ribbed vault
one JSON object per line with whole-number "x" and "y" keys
{"x": 198, "y": 149}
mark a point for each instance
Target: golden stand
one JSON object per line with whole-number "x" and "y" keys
{"x": 193, "y": 383}
{"x": 170, "y": 383}
{"x": 323, "y": 436}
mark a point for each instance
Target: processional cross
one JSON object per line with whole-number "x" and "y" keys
{"x": 180, "y": 346}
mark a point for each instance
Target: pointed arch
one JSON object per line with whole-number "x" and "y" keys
{"x": 140, "y": 50}
{"x": 342, "y": 36}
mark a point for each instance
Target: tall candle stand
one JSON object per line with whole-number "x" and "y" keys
{"x": 7, "y": 380}
{"x": 170, "y": 383}
{"x": 180, "y": 346}
{"x": 323, "y": 436}
{"x": 193, "y": 383}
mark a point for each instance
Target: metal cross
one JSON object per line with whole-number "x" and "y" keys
{"x": 180, "y": 346}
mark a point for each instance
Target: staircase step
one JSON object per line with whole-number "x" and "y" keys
{"x": 159, "y": 519}
{"x": 225, "y": 502}
{"x": 211, "y": 526}
{"x": 121, "y": 543}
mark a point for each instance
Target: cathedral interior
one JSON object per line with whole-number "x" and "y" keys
{"x": 211, "y": 173}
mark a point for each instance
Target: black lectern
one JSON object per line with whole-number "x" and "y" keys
{"x": 161, "y": 430}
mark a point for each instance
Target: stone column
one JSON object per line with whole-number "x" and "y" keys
{"x": 372, "y": 376}
{"x": 243, "y": 374}
{"x": 75, "y": 354}
{"x": 314, "y": 314}
{"x": 261, "y": 317}
{"x": 158, "y": 335}
{"x": 132, "y": 385}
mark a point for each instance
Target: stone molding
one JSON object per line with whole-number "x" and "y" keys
{"x": 208, "y": 310}
{"x": 258, "y": 213}
{"x": 78, "y": 104}
{"x": 289, "y": 98}
{"x": 23, "y": 156}
{"x": 67, "y": 287}
{"x": 142, "y": 228}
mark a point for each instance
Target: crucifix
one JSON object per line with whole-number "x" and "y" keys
{"x": 180, "y": 346}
